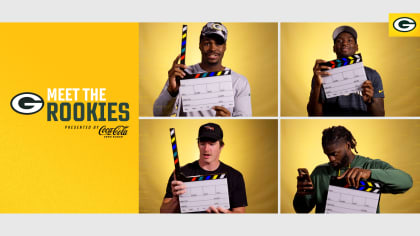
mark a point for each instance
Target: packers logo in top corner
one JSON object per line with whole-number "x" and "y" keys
{"x": 404, "y": 25}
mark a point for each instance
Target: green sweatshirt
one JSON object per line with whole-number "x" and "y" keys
{"x": 393, "y": 180}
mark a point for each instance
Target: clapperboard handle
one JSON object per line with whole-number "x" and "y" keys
{"x": 183, "y": 48}
{"x": 178, "y": 174}
{"x": 342, "y": 61}
{"x": 184, "y": 43}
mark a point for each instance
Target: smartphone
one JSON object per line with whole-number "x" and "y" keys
{"x": 304, "y": 174}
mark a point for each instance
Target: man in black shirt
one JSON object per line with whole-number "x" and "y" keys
{"x": 210, "y": 144}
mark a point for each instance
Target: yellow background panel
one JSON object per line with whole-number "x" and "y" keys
{"x": 392, "y": 141}
{"x": 250, "y": 147}
{"x": 395, "y": 59}
{"x": 251, "y": 50}
{"x": 45, "y": 168}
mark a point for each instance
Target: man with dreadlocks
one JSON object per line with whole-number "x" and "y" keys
{"x": 338, "y": 143}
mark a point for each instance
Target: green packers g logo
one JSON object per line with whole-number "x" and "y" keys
{"x": 27, "y": 103}
{"x": 217, "y": 27}
{"x": 404, "y": 24}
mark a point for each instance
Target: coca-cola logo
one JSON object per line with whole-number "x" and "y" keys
{"x": 116, "y": 131}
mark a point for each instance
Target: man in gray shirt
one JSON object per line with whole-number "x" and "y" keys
{"x": 212, "y": 46}
{"x": 369, "y": 103}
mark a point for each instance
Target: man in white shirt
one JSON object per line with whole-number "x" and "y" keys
{"x": 212, "y": 46}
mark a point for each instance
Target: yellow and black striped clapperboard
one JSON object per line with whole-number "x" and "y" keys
{"x": 202, "y": 91}
{"x": 342, "y": 198}
{"x": 347, "y": 75}
{"x": 202, "y": 191}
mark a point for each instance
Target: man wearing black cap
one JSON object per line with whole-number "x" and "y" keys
{"x": 210, "y": 144}
{"x": 369, "y": 103}
{"x": 212, "y": 46}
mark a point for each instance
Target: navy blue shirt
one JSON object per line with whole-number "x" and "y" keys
{"x": 351, "y": 105}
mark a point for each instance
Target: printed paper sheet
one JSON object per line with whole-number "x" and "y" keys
{"x": 200, "y": 195}
{"x": 204, "y": 93}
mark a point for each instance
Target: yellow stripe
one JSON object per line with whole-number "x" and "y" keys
{"x": 369, "y": 183}
{"x": 219, "y": 73}
{"x": 173, "y": 139}
{"x": 369, "y": 189}
{"x": 184, "y": 35}
{"x": 215, "y": 177}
